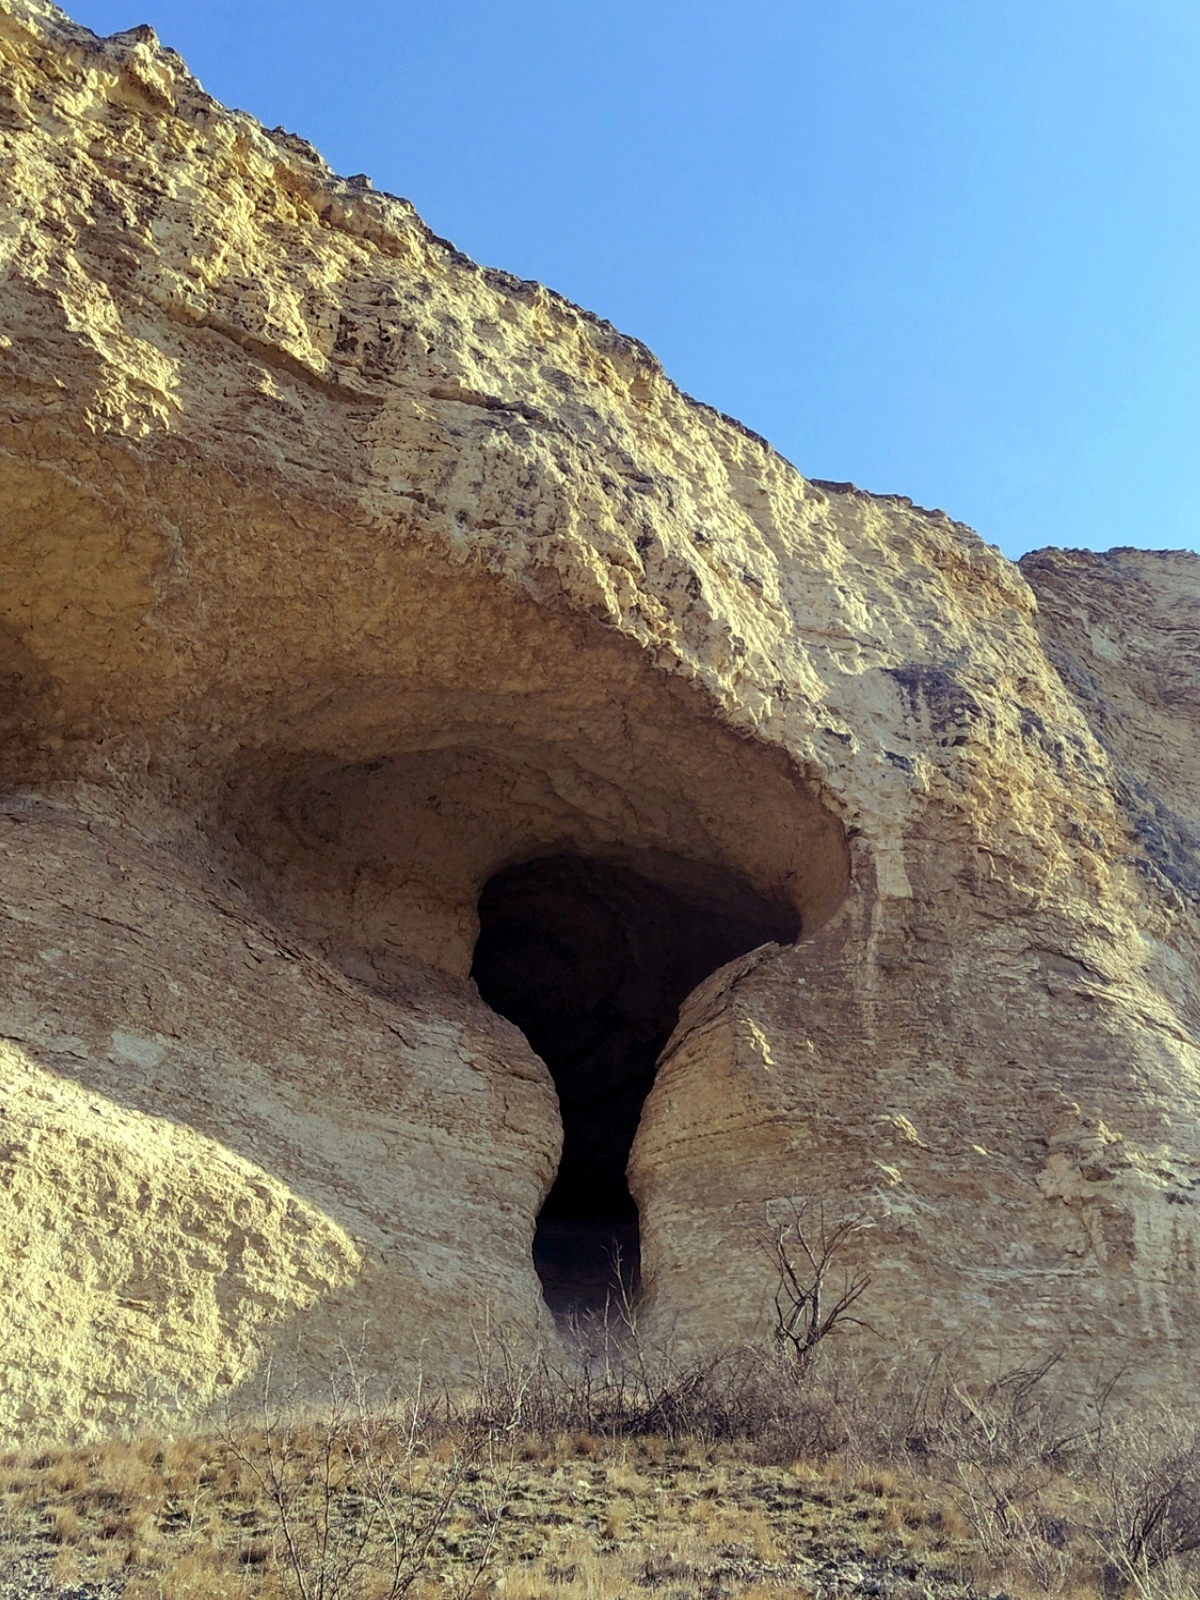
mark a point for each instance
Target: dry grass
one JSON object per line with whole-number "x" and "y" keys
{"x": 940, "y": 1490}
{"x": 579, "y": 1515}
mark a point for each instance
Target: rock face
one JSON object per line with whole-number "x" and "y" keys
{"x": 340, "y": 579}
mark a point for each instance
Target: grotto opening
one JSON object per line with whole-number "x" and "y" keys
{"x": 592, "y": 960}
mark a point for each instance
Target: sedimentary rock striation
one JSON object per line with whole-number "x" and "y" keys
{"x": 352, "y": 595}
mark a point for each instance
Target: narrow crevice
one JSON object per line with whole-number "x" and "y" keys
{"x": 592, "y": 960}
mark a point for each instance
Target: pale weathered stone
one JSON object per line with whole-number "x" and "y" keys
{"x": 338, "y": 573}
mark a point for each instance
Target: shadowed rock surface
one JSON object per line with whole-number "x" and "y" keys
{"x": 344, "y": 582}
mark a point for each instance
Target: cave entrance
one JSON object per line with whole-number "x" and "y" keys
{"x": 592, "y": 961}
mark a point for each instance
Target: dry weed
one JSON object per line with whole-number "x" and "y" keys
{"x": 609, "y": 1495}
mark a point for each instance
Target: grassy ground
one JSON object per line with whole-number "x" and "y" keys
{"x": 212, "y": 1517}
{"x": 751, "y": 1473}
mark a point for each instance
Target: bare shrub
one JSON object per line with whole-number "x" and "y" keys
{"x": 1149, "y": 1472}
{"x": 603, "y": 1378}
{"x": 1058, "y": 1488}
{"x": 992, "y": 1453}
{"x": 814, "y": 1292}
{"x": 606, "y": 1378}
{"x": 358, "y": 1495}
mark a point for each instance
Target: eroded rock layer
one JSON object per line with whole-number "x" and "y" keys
{"x": 340, "y": 577}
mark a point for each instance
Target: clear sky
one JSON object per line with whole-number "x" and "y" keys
{"x": 946, "y": 248}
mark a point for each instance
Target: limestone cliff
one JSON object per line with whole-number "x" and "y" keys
{"x": 340, "y": 577}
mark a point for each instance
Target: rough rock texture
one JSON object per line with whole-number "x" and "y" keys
{"x": 337, "y": 574}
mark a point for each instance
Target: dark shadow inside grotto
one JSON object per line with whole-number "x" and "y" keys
{"x": 592, "y": 961}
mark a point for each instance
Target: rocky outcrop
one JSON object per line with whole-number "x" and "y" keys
{"x": 340, "y": 575}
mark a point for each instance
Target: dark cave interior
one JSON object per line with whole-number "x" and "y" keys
{"x": 592, "y": 960}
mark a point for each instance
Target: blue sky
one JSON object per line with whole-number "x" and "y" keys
{"x": 946, "y": 248}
